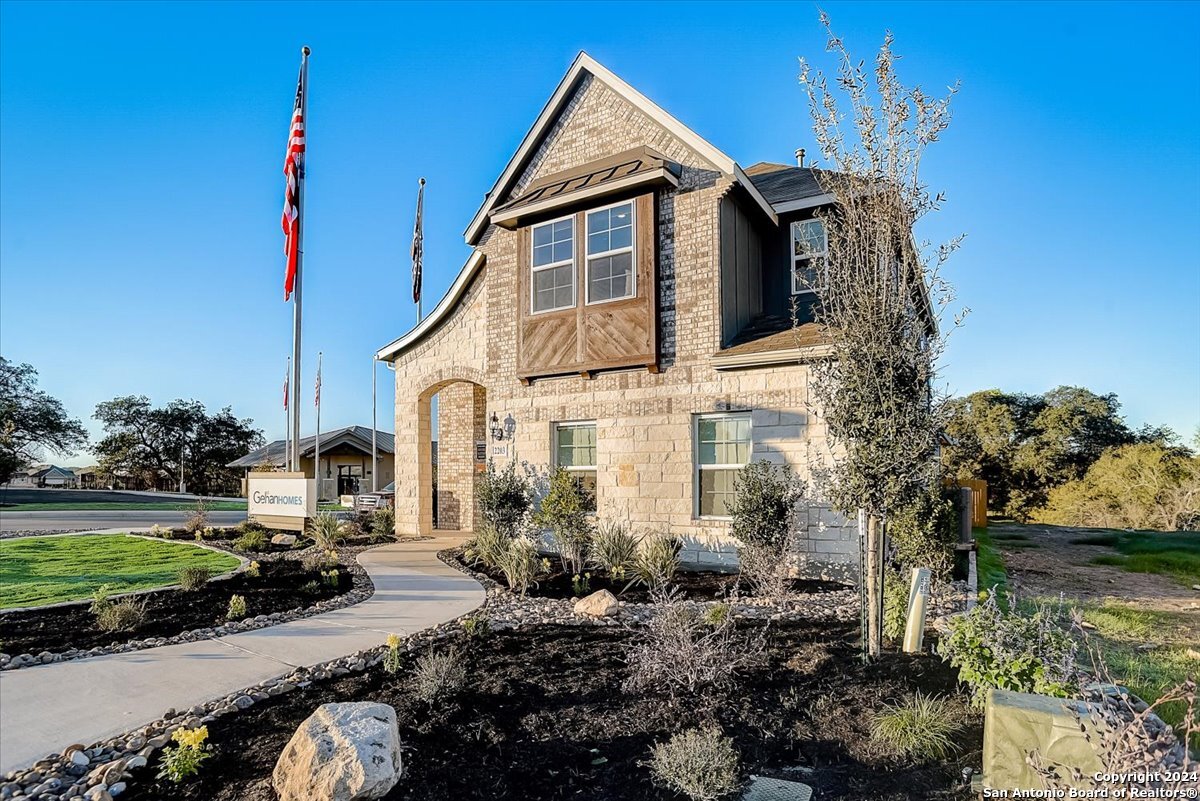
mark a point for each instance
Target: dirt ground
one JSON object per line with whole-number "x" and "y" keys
{"x": 1049, "y": 563}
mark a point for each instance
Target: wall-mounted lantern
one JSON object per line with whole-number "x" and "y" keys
{"x": 497, "y": 429}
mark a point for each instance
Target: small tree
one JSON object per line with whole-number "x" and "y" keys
{"x": 564, "y": 511}
{"x": 504, "y": 497}
{"x": 31, "y": 421}
{"x": 881, "y": 297}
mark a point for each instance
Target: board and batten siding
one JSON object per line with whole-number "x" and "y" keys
{"x": 741, "y": 270}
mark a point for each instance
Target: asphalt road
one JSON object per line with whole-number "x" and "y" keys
{"x": 17, "y": 495}
{"x": 51, "y": 521}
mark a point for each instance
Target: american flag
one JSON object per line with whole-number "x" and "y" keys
{"x": 293, "y": 168}
{"x": 317, "y": 396}
{"x": 418, "y": 246}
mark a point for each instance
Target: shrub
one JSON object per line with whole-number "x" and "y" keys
{"x": 253, "y": 570}
{"x": 700, "y": 763}
{"x": 331, "y": 577}
{"x": 476, "y": 626}
{"x": 123, "y": 615}
{"x": 681, "y": 650}
{"x": 391, "y": 656}
{"x": 165, "y": 532}
{"x": 1027, "y": 650}
{"x": 193, "y": 578}
{"x": 504, "y": 498}
{"x": 177, "y": 764}
{"x": 251, "y": 540}
{"x": 764, "y": 504}
{"x": 564, "y": 511}
{"x": 925, "y": 531}
{"x": 438, "y": 674}
{"x": 326, "y": 530}
{"x": 248, "y": 525}
{"x": 383, "y": 523}
{"x": 716, "y": 615}
{"x": 316, "y": 561}
{"x": 311, "y": 588}
{"x": 921, "y": 727}
{"x": 487, "y": 547}
{"x": 237, "y": 608}
{"x": 197, "y": 520}
{"x": 764, "y": 522}
{"x": 100, "y": 598}
{"x": 581, "y": 585}
{"x": 519, "y": 563}
{"x": 656, "y": 561}
{"x": 206, "y": 533}
{"x": 895, "y": 604}
{"x": 613, "y": 548}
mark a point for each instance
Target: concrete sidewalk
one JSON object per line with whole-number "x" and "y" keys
{"x": 46, "y": 708}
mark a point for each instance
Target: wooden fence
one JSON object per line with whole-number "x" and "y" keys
{"x": 979, "y": 502}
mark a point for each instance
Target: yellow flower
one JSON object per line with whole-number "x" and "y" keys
{"x": 191, "y": 738}
{"x": 393, "y": 641}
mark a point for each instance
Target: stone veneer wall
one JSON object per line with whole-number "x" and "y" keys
{"x": 644, "y": 421}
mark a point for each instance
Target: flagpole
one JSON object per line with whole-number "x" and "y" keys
{"x": 374, "y": 429}
{"x": 317, "y": 452}
{"x": 297, "y": 307}
{"x": 287, "y": 415}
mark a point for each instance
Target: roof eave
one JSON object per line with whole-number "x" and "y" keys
{"x": 390, "y": 351}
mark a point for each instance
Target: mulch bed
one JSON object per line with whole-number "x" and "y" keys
{"x": 698, "y": 585}
{"x": 545, "y": 717}
{"x": 280, "y": 588}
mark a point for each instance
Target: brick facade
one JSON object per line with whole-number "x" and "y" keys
{"x": 644, "y": 421}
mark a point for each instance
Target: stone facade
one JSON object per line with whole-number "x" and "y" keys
{"x": 645, "y": 422}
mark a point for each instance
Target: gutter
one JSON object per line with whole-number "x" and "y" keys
{"x": 770, "y": 358}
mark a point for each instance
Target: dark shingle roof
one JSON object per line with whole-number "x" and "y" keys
{"x": 780, "y": 183}
{"x": 274, "y": 453}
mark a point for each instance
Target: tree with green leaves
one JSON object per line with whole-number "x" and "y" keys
{"x": 31, "y": 421}
{"x": 177, "y": 441}
{"x": 879, "y": 296}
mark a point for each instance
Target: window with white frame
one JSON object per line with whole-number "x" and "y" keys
{"x": 575, "y": 452}
{"x": 610, "y": 262}
{"x": 722, "y": 449}
{"x": 553, "y": 265}
{"x": 810, "y": 246}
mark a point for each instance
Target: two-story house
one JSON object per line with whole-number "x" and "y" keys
{"x": 626, "y": 313}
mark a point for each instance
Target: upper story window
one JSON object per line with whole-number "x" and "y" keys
{"x": 610, "y": 262}
{"x": 810, "y": 246}
{"x": 553, "y": 265}
{"x": 722, "y": 449}
{"x": 575, "y": 452}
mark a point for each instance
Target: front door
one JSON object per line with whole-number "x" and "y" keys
{"x": 349, "y": 479}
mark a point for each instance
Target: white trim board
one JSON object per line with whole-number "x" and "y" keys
{"x": 445, "y": 305}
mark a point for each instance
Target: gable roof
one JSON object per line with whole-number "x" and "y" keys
{"x": 789, "y": 188}
{"x": 586, "y": 65}
{"x": 356, "y": 436}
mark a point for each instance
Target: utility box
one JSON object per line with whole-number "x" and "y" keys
{"x": 1016, "y": 724}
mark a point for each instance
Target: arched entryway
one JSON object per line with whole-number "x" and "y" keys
{"x": 448, "y": 473}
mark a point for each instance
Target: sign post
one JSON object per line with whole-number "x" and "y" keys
{"x": 281, "y": 500}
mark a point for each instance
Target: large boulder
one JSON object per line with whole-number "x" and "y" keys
{"x": 342, "y": 752}
{"x": 600, "y": 603}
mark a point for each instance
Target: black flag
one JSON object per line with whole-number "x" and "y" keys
{"x": 418, "y": 245}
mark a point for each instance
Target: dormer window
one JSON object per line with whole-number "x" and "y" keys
{"x": 810, "y": 246}
{"x": 610, "y": 262}
{"x": 553, "y": 265}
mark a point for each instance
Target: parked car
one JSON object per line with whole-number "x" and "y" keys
{"x": 367, "y": 502}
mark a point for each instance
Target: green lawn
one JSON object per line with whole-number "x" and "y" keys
{"x": 1170, "y": 553}
{"x": 45, "y": 570}
{"x": 151, "y": 506}
{"x": 989, "y": 564}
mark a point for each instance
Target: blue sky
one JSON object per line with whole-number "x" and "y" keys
{"x": 142, "y": 144}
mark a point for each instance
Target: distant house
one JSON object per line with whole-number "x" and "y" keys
{"x": 345, "y": 460}
{"x": 58, "y": 477}
{"x": 89, "y": 477}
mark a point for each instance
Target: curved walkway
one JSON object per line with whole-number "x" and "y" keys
{"x": 46, "y": 708}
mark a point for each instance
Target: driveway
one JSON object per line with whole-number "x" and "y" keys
{"x": 97, "y": 519}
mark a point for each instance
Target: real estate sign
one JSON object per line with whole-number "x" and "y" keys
{"x": 281, "y": 500}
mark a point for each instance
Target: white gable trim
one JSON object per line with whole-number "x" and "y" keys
{"x": 585, "y": 63}
{"x": 390, "y": 351}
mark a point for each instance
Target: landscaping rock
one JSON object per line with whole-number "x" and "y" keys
{"x": 284, "y": 539}
{"x": 342, "y": 752}
{"x": 601, "y": 603}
